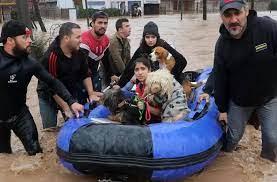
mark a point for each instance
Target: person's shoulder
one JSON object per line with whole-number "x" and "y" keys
{"x": 85, "y": 33}
{"x": 105, "y": 38}
{"x": 113, "y": 38}
{"x": 266, "y": 21}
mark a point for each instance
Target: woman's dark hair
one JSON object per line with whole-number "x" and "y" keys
{"x": 144, "y": 60}
{"x": 147, "y": 49}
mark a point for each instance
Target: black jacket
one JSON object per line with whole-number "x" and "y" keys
{"x": 246, "y": 68}
{"x": 70, "y": 71}
{"x": 15, "y": 75}
{"x": 180, "y": 65}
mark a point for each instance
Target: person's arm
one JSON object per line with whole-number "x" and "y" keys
{"x": 208, "y": 89}
{"x": 129, "y": 69}
{"x": 58, "y": 88}
{"x": 93, "y": 96}
{"x": 180, "y": 60}
{"x": 87, "y": 82}
{"x": 115, "y": 52}
{"x": 221, "y": 78}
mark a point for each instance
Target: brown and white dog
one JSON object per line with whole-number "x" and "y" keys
{"x": 165, "y": 59}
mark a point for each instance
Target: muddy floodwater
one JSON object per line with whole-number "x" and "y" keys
{"x": 195, "y": 39}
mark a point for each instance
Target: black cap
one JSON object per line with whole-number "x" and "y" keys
{"x": 12, "y": 28}
{"x": 231, "y": 4}
{"x": 151, "y": 28}
{"x": 99, "y": 14}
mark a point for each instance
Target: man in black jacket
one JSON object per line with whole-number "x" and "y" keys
{"x": 245, "y": 74}
{"x": 64, "y": 61}
{"x": 16, "y": 71}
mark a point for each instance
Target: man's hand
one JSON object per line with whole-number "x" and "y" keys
{"x": 76, "y": 108}
{"x": 204, "y": 96}
{"x": 67, "y": 112}
{"x": 223, "y": 117}
{"x": 115, "y": 78}
{"x": 95, "y": 96}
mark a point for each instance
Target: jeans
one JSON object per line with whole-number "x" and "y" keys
{"x": 48, "y": 112}
{"x": 237, "y": 120}
{"x": 25, "y": 129}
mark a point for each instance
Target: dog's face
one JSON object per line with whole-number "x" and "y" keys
{"x": 159, "y": 54}
{"x": 112, "y": 98}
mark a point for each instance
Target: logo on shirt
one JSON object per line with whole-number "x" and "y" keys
{"x": 261, "y": 47}
{"x": 12, "y": 79}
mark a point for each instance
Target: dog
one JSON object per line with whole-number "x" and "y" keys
{"x": 168, "y": 94}
{"x": 189, "y": 88}
{"x": 166, "y": 60}
{"x": 123, "y": 110}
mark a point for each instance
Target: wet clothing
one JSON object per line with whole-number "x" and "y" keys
{"x": 15, "y": 75}
{"x": 24, "y": 127}
{"x": 176, "y": 71}
{"x": 245, "y": 80}
{"x": 70, "y": 71}
{"x": 119, "y": 54}
{"x": 96, "y": 51}
{"x": 245, "y": 68}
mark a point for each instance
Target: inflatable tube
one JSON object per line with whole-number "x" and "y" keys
{"x": 160, "y": 152}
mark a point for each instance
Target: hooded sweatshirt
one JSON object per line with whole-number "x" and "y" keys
{"x": 246, "y": 68}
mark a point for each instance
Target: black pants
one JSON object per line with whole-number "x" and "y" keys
{"x": 24, "y": 127}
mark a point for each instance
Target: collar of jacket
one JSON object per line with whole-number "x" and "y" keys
{"x": 120, "y": 38}
{"x": 251, "y": 21}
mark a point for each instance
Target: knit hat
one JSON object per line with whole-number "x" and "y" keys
{"x": 151, "y": 28}
{"x": 13, "y": 28}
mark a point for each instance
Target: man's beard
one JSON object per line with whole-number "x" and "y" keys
{"x": 20, "y": 52}
{"x": 99, "y": 34}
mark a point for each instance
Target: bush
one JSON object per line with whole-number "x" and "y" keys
{"x": 110, "y": 11}
{"x": 273, "y": 5}
{"x": 40, "y": 41}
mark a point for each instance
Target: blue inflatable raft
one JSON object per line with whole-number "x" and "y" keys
{"x": 159, "y": 152}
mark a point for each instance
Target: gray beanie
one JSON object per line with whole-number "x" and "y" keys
{"x": 151, "y": 28}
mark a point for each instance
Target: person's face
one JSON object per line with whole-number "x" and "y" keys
{"x": 126, "y": 29}
{"x": 74, "y": 40}
{"x": 235, "y": 21}
{"x": 100, "y": 26}
{"x": 22, "y": 45}
{"x": 150, "y": 40}
{"x": 141, "y": 72}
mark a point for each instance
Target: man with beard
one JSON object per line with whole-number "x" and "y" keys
{"x": 16, "y": 71}
{"x": 245, "y": 74}
{"x": 94, "y": 44}
{"x": 66, "y": 62}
